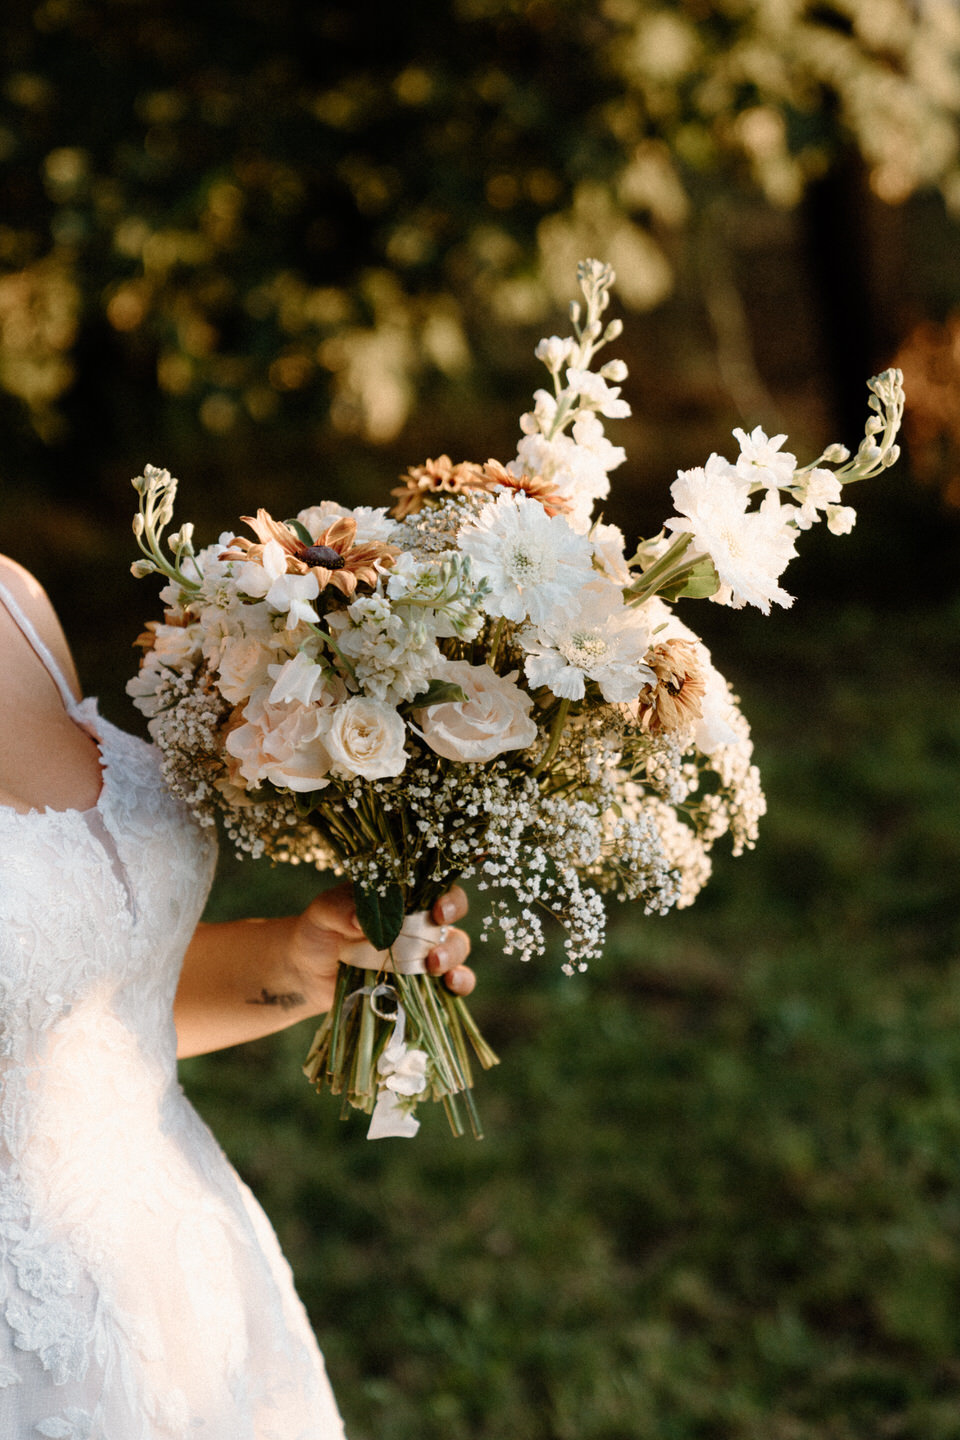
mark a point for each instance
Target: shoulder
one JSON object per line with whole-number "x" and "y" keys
{"x": 33, "y": 600}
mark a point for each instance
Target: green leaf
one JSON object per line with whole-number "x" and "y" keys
{"x": 301, "y": 531}
{"x": 438, "y": 692}
{"x": 696, "y": 582}
{"x": 380, "y": 916}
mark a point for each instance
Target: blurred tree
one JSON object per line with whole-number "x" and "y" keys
{"x": 273, "y": 211}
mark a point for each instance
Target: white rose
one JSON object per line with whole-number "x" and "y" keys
{"x": 242, "y": 668}
{"x": 494, "y": 717}
{"x": 366, "y": 738}
{"x": 177, "y": 646}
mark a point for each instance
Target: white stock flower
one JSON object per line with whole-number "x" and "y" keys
{"x": 393, "y": 655}
{"x": 597, "y": 637}
{"x": 554, "y": 352}
{"x": 366, "y": 738}
{"x": 749, "y": 548}
{"x": 534, "y": 563}
{"x": 494, "y": 718}
{"x": 177, "y": 646}
{"x": 442, "y": 590}
{"x": 761, "y": 460}
{"x": 841, "y": 519}
{"x": 598, "y": 394}
{"x": 820, "y": 490}
{"x": 288, "y": 595}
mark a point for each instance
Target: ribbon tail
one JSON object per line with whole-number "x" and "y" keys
{"x": 391, "y": 1119}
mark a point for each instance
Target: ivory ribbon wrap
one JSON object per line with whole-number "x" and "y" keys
{"x": 408, "y": 953}
{"x": 402, "y": 1070}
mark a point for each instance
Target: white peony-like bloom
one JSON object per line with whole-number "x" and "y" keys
{"x": 534, "y": 563}
{"x": 494, "y": 718}
{"x": 761, "y": 460}
{"x": 597, "y": 638}
{"x": 366, "y": 738}
{"x": 288, "y": 595}
{"x": 749, "y": 548}
{"x": 283, "y": 743}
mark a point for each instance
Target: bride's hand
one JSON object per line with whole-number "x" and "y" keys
{"x": 329, "y": 924}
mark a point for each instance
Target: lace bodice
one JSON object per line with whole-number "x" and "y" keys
{"x": 142, "y": 1291}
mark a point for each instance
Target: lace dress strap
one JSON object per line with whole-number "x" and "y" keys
{"x": 42, "y": 651}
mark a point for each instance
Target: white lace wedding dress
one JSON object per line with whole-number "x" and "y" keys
{"x": 143, "y": 1295}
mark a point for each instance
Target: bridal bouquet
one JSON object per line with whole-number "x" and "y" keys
{"x": 484, "y": 681}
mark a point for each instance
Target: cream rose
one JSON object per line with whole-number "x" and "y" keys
{"x": 494, "y": 717}
{"x": 177, "y": 646}
{"x": 242, "y": 668}
{"x": 366, "y": 738}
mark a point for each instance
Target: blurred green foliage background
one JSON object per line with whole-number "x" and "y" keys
{"x": 288, "y": 250}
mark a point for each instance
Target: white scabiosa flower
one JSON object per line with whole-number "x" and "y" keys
{"x": 533, "y": 563}
{"x": 597, "y": 638}
{"x": 749, "y": 548}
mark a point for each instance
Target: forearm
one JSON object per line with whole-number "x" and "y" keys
{"x": 239, "y": 981}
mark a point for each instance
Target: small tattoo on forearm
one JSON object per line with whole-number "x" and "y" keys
{"x": 289, "y": 1001}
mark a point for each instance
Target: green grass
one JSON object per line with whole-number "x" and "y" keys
{"x": 719, "y": 1196}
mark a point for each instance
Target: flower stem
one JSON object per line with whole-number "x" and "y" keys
{"x": 560, "y": 719}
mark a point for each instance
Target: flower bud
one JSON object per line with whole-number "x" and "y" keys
{"x": 614, "y": 371}
{"x": 141, "y": 568}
